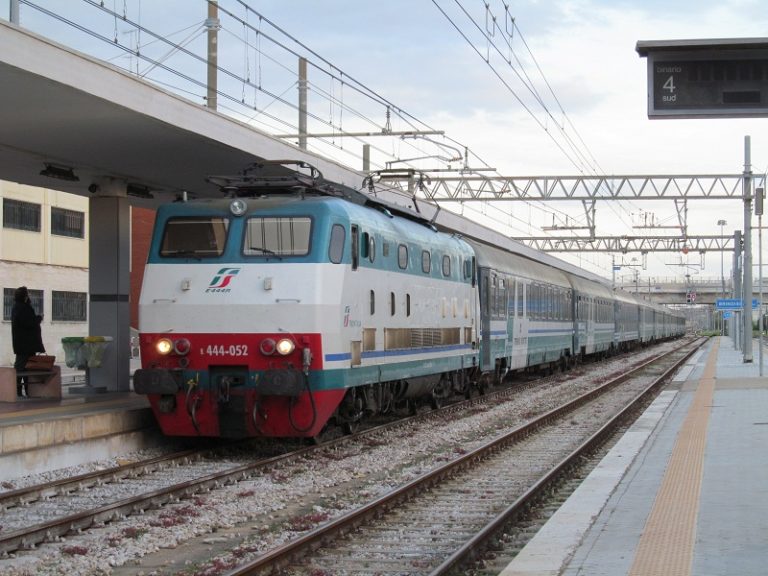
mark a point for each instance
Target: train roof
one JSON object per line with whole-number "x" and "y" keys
{"x": 519, "y": 265}
{"x": 261, "y": 179}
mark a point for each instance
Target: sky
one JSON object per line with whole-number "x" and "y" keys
{"x": 411, "y": 55}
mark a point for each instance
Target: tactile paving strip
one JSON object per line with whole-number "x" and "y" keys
{"x": 666, "y": 545}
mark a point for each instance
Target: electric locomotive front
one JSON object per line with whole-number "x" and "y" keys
{"x": 231, "y": 312}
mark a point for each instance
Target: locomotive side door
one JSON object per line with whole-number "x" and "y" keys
{"x": 353, "y": 323}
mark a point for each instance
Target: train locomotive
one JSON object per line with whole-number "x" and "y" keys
{"x": 293, "y": 303}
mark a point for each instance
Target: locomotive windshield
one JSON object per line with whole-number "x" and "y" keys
{"x": 277, "y": 236}
{"x": 194, "y": 237}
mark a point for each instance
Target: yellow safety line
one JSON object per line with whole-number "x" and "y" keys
{"x": 666, "y": 545}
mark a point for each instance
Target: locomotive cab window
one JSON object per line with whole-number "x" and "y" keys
{"x": 277, "y": 236}
{"x": 194, "y": 237}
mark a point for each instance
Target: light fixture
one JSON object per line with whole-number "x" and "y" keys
{"x": 59, "y": 172}
{"x": 164, "y": 346}
{"x": 238, "y": 207}
{"x": 285, "y": 346}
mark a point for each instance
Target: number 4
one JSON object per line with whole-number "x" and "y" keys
{"x": 669, "y": 84}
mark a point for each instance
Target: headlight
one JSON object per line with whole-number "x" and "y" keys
{"x": 285, "y": 346}
{"x": 164, "y": 346}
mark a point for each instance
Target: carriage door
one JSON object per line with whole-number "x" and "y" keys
{"x": 486, "y": 296}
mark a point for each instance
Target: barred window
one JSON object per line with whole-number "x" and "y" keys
{"x": 67, "y": 223}
{"x": 36, "y": 297}
{"x": 21, "y": 215}
{"x": 69, "y": 306}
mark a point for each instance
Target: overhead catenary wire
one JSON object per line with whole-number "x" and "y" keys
{"x": 275, "y": 96}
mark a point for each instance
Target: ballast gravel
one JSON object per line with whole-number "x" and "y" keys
{"x": 208, "y": 534}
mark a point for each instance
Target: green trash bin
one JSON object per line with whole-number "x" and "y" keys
{"x": 73, "y": 351}
{"x": 94, "y": 348}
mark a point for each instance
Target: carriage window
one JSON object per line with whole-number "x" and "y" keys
{"x": 402, "y": 256}
{"x": 336, "y": 245}
{"x": 194, "y": 237}
{"x": 277, "y": 236}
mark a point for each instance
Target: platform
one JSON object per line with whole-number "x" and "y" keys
{"x": 38, "y": 435}
{"x": 684, "y": 492}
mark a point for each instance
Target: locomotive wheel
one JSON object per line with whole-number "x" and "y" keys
{"x": 350, "y": 428}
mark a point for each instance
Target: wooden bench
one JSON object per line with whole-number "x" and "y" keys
{"x": 40, "y": 383}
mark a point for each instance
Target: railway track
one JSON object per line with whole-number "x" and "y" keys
{"x": 436, "y": 523}
{"x": 258, "y": 480}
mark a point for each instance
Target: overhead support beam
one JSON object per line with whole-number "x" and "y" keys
{"x": 625, "y": 244}
{"x": 342, "y": 134}
{"x": 544, "y": 188}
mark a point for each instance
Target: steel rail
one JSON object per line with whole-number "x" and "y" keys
{"x": 22, "y": 496}
{"x": 283, "y": 555}
{"x": 469, "y": 549}
{"x": 31, "y": 536}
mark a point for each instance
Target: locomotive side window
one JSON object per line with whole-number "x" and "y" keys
{"x": 365, "y": 246}
{"x": 373, "y": 302}
{"x": 426, "y": 262}
{"x": 446, "y": 265}
{"x": 277, "y": 236}
{"x": 355, "y": 247}
{"x": 194, "y": 237}
{"x": 402, "y": 256}
{"x": 336, "y": 244}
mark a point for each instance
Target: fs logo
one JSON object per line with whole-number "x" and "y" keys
{"x": 222, "y": 279}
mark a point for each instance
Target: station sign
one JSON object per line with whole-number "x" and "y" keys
{"x": 707, "y": 78}
{"x": 732, "y": 303}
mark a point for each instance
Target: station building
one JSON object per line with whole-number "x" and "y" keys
{"x": 44, "y": 245}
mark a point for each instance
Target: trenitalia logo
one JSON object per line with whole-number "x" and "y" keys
{"x": 222, "y": 279}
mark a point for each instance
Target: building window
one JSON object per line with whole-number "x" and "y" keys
{"x": 36, "y": 297}
{"x": 21, "y": 215}
{"x": 67, "y": 223}
{"x": 69, "y": 306}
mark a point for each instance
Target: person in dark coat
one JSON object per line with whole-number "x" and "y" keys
{"x": 25, "y": 333}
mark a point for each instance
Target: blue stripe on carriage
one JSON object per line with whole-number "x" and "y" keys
{"x": 393, "y": 353}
